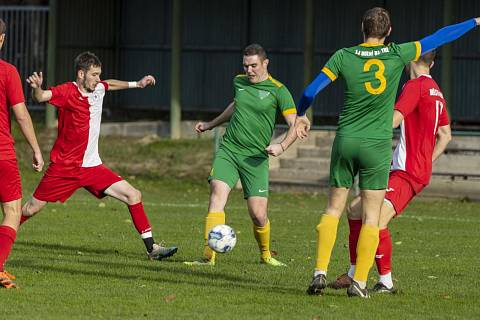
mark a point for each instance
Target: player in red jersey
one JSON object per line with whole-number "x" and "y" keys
{"x": 425, "y": 132}
{"x": 74, "y": 159}
{"x": 11, "y": 98}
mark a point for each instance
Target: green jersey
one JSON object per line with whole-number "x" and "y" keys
{"x": 251, "y": 126}
{"x": 371, "y": 75}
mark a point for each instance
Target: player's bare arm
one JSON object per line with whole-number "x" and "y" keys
{"x": 277, "y": 149}
{"x": 222, "y": 118}
{"x": 397, "y": 118}
{"x": 302, "y": 126}
{"x": 38, "y": 94}
{"x": 146, "y": 81}
{"x": 25, "y": 123}
{"x": 444, "y": 136}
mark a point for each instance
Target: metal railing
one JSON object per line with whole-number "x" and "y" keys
{"x": 26, "y": 41}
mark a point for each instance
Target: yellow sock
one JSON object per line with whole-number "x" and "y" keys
{"x": 366, "y": 248}
{"x": 213, "y": 219}
{"x": 326, "y": 236}
{"x": 262, "y": 235}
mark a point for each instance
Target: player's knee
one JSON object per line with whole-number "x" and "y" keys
{"x": 260, "y": 221}
{"x": 134, "y": 196}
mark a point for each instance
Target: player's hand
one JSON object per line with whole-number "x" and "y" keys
{"x": 146, "y": 81}
{"x": 275, "y": 149}
{"x": 302, "y": 126}
{"x": 478, "y": 21}
{"x": 35, "y": 80}
{"x": 202, "y": 126}
{"x": 37, "y": 162}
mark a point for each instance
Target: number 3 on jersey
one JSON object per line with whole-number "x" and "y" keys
{"x": 378, "y": 74}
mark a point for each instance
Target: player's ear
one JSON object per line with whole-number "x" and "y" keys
{"x": 432, "y": 64}
{"x": 389, "y": 31}
{"x": 81, "y": 74}
{"x": 265, "y": 62}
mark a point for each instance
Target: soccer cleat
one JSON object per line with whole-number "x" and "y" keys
{"x": 273, "y": 262}
{"x": 9, "y": 275}
{"x": 318, "y": 283}
{"x": 342, "y": 282}
{"x": 159, "y": 252}
{"x": 381, "y": 288}
{"x": 7, "y": 282}
{"x": 355, "y": 291}
{"x": 200, "y": 262}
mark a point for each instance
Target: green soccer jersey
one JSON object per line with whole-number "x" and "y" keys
{"x": 251, "y": 126}
{"x": 371, "y": 74}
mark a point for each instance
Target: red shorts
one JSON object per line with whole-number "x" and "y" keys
{"x": 10, "y": 183}
{"x": 60, "y": 182}
{"x": 401, "y": 190}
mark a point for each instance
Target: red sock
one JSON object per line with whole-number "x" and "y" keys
{"x": 7, "y": 238}
{"x": 24, "y": 218}
{"x": 355, "y": 227}
{"x": 139, "y": 218}
{"x": 383, "y": 257}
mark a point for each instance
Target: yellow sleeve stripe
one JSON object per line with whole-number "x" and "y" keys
{"x": 240, "y": 75}
{"x": 275, "y": 82}
{"x": 418, "y": 46}
{"x": 289, "y": 111}
{"x": 329, "y": 73}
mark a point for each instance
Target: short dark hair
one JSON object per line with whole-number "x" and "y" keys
{"x": 255, "y": 49}
{"x": 376, "y": 23}
{"x": 85, "y": 60}
{"x": 427, "y": 58}
{"x": 3, "y": 27}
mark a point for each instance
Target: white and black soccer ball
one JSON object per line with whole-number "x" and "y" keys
{"x": 222, "y": 238}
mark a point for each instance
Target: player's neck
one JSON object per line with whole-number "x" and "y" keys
{"x": 419, "y": 71}
{"x": 374, "y": 41}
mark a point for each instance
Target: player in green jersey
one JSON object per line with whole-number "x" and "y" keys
{"x": 243, "y": 153}
{"x": 362, "y": 145}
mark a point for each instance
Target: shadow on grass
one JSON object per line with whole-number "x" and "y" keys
{"x": 116, "y": 270}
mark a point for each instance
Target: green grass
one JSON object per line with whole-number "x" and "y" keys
{"x": 84, "y": 260}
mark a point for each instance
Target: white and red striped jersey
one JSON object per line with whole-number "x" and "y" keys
{"x": 79, "y": 117}
{"x": 423, "y": 107}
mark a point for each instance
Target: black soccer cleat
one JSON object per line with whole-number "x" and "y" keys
{"x": 355, "y": 291}
{"x": 381, "y": 288}
{"x": 318, "y": 283}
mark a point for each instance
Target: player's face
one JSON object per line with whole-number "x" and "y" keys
{"x": 91, "y": 78}
{"x": 255, "y": 68}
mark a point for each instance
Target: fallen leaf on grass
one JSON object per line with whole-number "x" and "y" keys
{"x": 170, "y": 298}
{"x": 432, "y": 277}
{"x": 102, "y": 205}
{"x": 398, "y": 243}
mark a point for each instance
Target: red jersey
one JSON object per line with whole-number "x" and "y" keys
{"x": 11, "y": 93}
{"x": 79, "y": 117}
{"x": 423, "y": 107}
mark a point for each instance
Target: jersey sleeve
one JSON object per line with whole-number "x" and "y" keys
{"x": 444, "y": 120}
{"x": 333, "y": 67}
{"x": 409, "y": 51}
{"x": 409, "y": 98}
{"x": 285, "y": 101}
{"x": 105, "y": 85}
{"x": 14, "y": 90}
{"x": 59, "y": 95}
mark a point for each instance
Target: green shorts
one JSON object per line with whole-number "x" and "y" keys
{"x": 252, "y": 172}
{"x": 370, "y": 158}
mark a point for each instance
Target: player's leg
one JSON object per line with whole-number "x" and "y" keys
{"x": 342, "y": 171}
{"x": 253, "y": 172}
{"x": 11, "y": 199}
{"x": 58, "y": 184}
{"x": 8, "y": 232}
{"x": 374, "y": 165}
{"x": 354, "y": 214}
{"x": 222, "y": 178}
{"x": 125, "y": 192}
{"x": 31, "y": 208}
{"x": 400, "y": 192}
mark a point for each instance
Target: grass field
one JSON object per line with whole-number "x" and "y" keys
{"x": 83, "y": 259}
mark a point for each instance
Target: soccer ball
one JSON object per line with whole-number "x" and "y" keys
{"x": 222, "y": 238}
